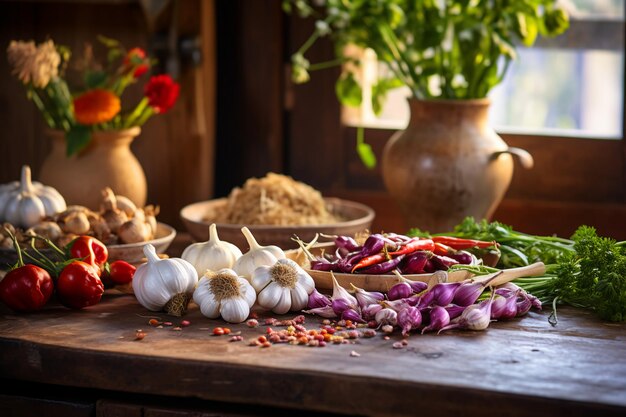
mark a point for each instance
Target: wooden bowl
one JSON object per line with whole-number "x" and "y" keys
{"x": 358, "y": 217}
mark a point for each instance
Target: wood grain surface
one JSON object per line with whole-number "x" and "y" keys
{"x": 521, "y": 367}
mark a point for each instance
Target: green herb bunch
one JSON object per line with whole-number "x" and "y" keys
{"x": 451, "y": 49}
{"x": 587, "y": 271}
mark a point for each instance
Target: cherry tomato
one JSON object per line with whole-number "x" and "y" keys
{"x": 89, "y": 250}
{"x": 121, "y": 272}
{"x": 79, "y": 285}
{"x": 26, "y": 288}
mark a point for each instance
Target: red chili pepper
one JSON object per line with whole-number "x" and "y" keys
{"x": 369, "y": 260}
{"x": 442, "y": 250}
{"x": 26, "y": 288}
{"x": 415, "y": 245}
{"x": 79, "y": 285}
{"x": 89, "y": 250}
{"x": 459, "y": 243}
{"x": 121, "y": 272}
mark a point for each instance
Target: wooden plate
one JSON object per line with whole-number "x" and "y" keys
{"x": 324, "y": 281}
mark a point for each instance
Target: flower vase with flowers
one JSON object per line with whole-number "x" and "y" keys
{"x": 91, "y": 128}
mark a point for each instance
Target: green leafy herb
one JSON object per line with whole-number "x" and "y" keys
{"x": 587, "y": 271}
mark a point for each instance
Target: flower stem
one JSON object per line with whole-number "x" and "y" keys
{"x": 132, "y": 118}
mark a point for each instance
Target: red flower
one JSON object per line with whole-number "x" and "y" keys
{"x": 136, "y": 58}
{"x": 162, "y": 92}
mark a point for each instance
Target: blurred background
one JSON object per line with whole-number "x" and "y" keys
{"x": 240, "y": 116}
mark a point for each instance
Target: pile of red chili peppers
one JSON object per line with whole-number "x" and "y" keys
{"x": 384, "y": 253}
{"x": 77, "y": 275}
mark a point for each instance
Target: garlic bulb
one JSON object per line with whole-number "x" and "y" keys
{"x": 164, "y": 284}
{"x": 282, "y": 287}
{"x": 213, "y": 254}
{"x": 26, "y": 202}
{"x": 256, "y": 256}
{"x": 224, "y": 294}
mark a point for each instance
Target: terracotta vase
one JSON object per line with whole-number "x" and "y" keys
{"x": 448, "y": 164}
{"x": 106, "y": 162}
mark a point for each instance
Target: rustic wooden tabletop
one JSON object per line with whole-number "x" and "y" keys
{"x": 521, "y": 367}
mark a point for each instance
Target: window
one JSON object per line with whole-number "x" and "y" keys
{"x": 572, "y": 85}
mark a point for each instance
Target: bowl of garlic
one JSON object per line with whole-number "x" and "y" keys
{"x": 118, "y": 223}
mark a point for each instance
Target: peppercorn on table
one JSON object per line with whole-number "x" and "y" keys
{"x": 116, "y": 358}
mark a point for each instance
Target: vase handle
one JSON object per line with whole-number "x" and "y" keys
{"x": 525, "y": 158}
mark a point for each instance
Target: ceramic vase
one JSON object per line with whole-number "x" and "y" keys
{"x": 106, "y": 162}
{"x": 448, "y": 164}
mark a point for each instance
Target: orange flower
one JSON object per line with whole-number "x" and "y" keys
{"x": 96, "y": 106}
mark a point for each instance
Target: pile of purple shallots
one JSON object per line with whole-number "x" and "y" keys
{"x": 412, "y": 305}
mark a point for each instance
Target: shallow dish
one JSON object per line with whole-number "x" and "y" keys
{"x": 133, "y": 252}
{"x": 358, "y": 217}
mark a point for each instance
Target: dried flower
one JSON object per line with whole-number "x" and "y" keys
{"x": 161, "y": 92}
{"x": 96, "y": 106}
{"x": 34, "y": 64}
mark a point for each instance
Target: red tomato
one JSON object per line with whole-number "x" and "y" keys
{"x": 27, "y": 288}
{"x": 121, "y": 272}
{"x": 89, "y": 250}
{"x": 79, "y": 285}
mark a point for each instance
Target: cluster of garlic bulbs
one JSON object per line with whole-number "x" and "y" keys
{"x": 226, "y": 282}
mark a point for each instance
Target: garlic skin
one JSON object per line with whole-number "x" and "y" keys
{"x": 213, "y": 255}
{"x": 282, "y": 287}
{"x": 224, "y": 294}
{"x": 256, "y": 256}
{"x": 164, "y": 284}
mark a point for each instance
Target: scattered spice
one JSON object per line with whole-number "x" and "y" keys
{"x": 218, "y": 331}
{"x": 185, "y": 323}
{"x": 398, "y": 345}
{"x": 236, "y": 339}
{"x": 140, "y": 334}
{"x": 252, "y": 323}
{"x": 354, "y": 354}
{"x": 154, "y": 322}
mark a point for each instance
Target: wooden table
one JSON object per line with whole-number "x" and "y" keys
{"x": 521, "y": 367}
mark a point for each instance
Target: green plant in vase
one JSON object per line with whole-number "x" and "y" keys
{"x": 440, "y": 49}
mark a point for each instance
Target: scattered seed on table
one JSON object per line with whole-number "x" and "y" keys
{"x": 218, "y": 331}
{"x": 167, "y": 323}
{"x": 154, "y": 322}
{"x": 252, "y": 323}
{"x": 354, "y": 354}
{"x": 398, "y": 345}
{"x": 177, "y": 328}
{"x": 139, "y": 334}
{"x": 236, "y": 339}
{"x": 185, "y": 323}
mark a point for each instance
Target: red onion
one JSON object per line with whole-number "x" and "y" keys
{"x": 399, "y": 290}
{"x": 353, "y": 315}
{"x": 369, "y": 312}
{"x": 365, "y": 298}
{"x": 474, "y": 317}
{"x": 387, "y": 316}
{"x": 504, "y": 308}
{"x": 441, "y": 294}
{"x": 438, "y": 319}
{"x": 316, "y": 299}
{"x": 468, "y": 292}
{"x": 454, "y": 310}
{"x": 408, "y": 319}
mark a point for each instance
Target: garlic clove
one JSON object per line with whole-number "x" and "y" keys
{"x": 209, "y": 307}
{"x": 235, "y": 310}
{"x": 299, "y": 298}
{"x": 270, "y": 295}
{"x": 284, "y": 302}
{"x": 261, "y": 277}
{"x": 249, "y": 294}
{"x": 305, "y": 280}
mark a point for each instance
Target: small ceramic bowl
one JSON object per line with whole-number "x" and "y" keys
{"x": 133, "y": 252}
{"x": 358, "y": 217}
